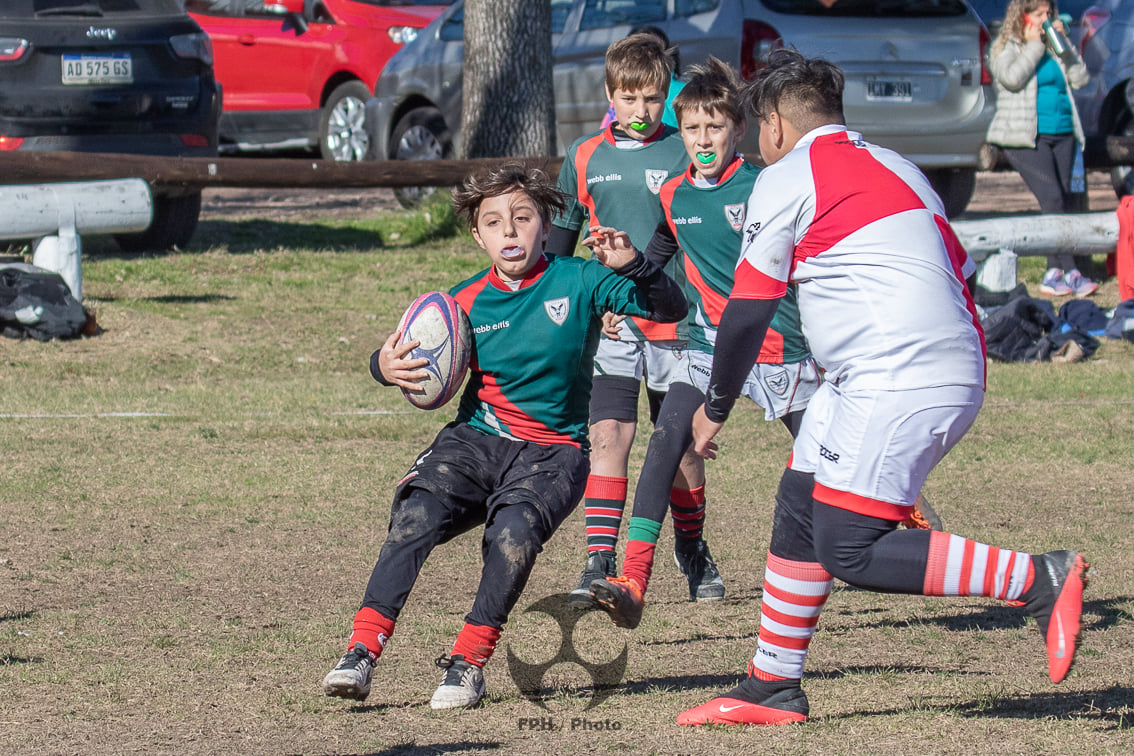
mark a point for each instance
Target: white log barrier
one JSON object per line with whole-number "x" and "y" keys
{"x": 55, "y": 215}
{"x": 1076, "y": 234}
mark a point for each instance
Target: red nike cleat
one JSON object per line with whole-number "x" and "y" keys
{"x": 1059, "y": 607}
{"x": 786, "y": 707}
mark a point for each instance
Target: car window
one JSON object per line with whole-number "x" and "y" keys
{"x": 225, "y": 7}
{"x": 601, "y": 14}
{"x": 872, "y": 8}
{"x": 453, "y": 30}
{"x": 91, "y": 8}
{"x": 684, "y": 8}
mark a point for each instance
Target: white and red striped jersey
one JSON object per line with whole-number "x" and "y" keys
{"x": 881, "y": 274}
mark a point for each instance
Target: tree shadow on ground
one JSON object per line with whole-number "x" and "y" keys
{"x": 9, "y": 616}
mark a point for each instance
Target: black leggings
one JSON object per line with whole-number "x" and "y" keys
{"x": 866, "y": 552}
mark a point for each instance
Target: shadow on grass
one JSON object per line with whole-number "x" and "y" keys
{"x": 9, "y": 616}
{"x": 464, "y": 746}
{"x": 251, "y": 235}
{"x": 1111, "y": 705}
{"x": 7, "y": 659}
{"x": 1099, "y": 614}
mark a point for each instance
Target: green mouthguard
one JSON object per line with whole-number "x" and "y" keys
{"x": 706, "y": 159}
{"x": 639, "y": 125}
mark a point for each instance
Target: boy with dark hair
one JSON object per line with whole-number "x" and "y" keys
{"x": 704, "y": 214}
{"x": 855, "y": 225}
{"x": 515, "y": 457}
{"x": 613, "y": 178}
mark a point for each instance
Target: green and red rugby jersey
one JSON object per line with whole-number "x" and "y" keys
{"x": 530, "y": 373}
{"x": 706, "y": 223}
{"x": 615, "y": 182}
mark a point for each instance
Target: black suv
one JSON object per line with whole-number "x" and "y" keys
{"x": 126, "y": 76}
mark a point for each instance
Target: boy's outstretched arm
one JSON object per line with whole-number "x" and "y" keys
{"x": 665, "y": 301}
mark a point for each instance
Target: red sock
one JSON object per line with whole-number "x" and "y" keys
{"x": 688, "y": 509}
{"x": 638, "y": 564}
{"x": 372, "y": 629}
{"x": 476, "y": 643}
{"x": 603, "y": 503}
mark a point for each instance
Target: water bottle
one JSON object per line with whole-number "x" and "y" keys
{"x": 1058, "y": 42}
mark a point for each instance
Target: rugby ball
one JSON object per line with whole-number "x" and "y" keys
{"x": 438, "y": 322}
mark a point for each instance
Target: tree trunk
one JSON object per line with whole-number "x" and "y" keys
{"x": 509, "y": 98}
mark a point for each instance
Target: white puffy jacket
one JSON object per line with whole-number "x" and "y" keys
{"x": 1014, "y": 71}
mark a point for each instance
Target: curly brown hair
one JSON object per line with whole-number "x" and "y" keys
{"x": 1013, "y": 27}
{"x": 505, "y": 179}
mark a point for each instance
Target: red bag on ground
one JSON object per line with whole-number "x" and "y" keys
{"x": 1124, "y": 255}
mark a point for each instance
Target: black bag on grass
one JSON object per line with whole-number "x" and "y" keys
{"x": 38, "y": 303}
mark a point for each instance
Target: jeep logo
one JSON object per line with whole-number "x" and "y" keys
{"x": 106, "y": 33}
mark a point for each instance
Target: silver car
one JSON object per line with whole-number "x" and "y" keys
{"x": 916, "y": 79}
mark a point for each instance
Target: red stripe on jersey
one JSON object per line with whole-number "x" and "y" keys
{"x": 666, "y": 197}
{"x": 465, "y": 298}
{"x": 711, "y": 301}
{"x": 750, "y": 283}
{"x": 783, "y": 641}
{"x": 794, "y": 598}
{"x": 861, "y": 504}
{"x": 852, "y": 190}
{"x": 656, "y": 331}
{"x": 936, "y": 562}
{"x": 957, "y": 256}
{"x": 582, "y": 157}
{"x": 533, "y": 275}
{"x": 517, "y": 422}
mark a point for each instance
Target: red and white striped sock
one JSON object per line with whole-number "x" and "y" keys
{"x": 794, "y": 595}
{"x": 957, "y": 566}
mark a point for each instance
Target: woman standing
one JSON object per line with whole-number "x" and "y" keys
{"x": 1036, "y": 122}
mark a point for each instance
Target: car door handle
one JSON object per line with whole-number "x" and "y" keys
{"x": 246, "y": 39}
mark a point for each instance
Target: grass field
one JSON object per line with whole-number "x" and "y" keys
{"x": 192, "y": 502}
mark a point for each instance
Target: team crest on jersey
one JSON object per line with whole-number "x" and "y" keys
{"x": 557, "y": 309}
{"x": 777, "y": 382}
{"x": 655, "y": 179}
{"x": 735, "y": 215}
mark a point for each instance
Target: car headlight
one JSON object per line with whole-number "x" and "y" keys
{"x": 403, "y": 35}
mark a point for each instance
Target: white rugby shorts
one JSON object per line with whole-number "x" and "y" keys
{"x": 871, "y": 451}
{"x": 778, "y": 388}
{"x": 659, "y": 362}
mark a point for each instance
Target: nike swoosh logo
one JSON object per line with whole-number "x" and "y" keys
{"x": 726, "y": 710}
{"x": 1061, "y": 649}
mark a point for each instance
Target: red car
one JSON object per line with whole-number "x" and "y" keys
{"x": 298, "y": 73}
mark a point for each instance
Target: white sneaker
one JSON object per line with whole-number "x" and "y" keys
{"x": 351, "y": 676}
{"x": 462, "y": 685}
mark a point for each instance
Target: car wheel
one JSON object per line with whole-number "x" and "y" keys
{"x": 174, "y": 221}
{"x": 1122, "y": 176}
{"x": 421, "y": 134}
{"x": 955, "y": 187}
{"x": 342, "y": 124}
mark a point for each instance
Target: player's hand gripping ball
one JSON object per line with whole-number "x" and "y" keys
{"x": 438, "y": 322}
